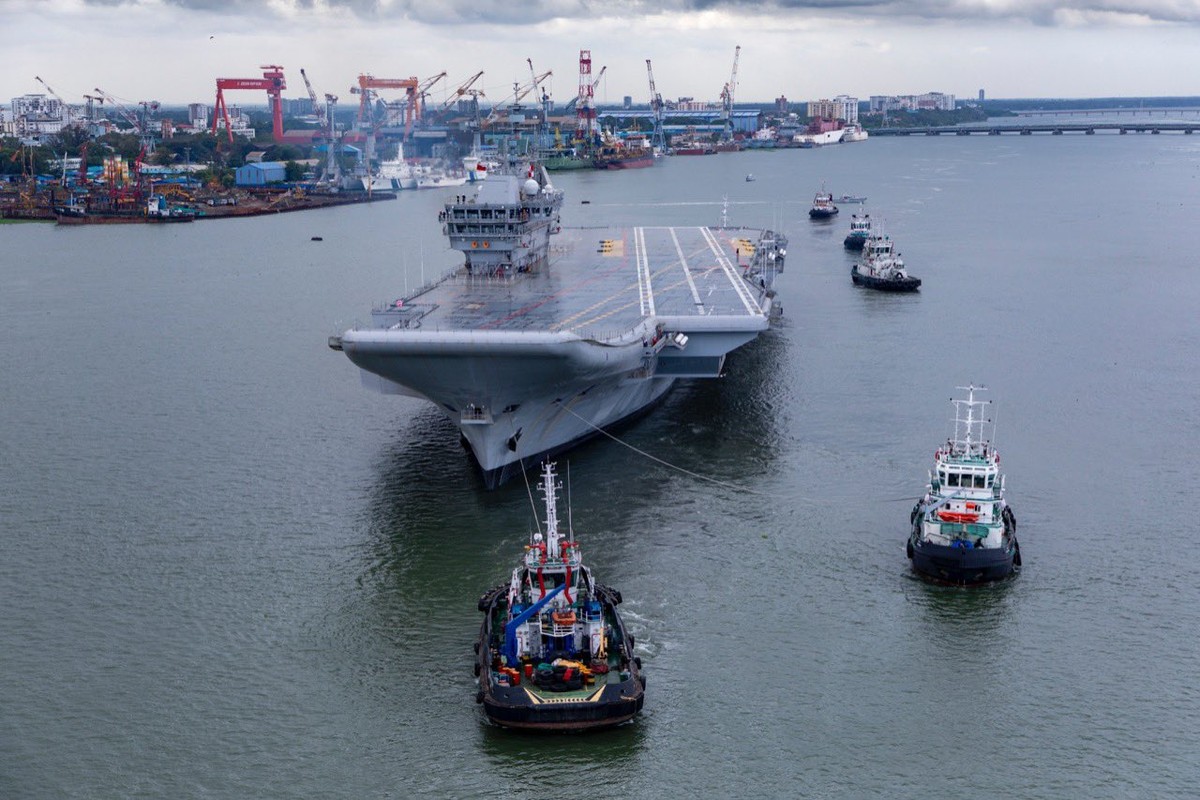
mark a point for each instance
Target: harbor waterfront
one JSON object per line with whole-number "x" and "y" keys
{"x": 228, "y": 571}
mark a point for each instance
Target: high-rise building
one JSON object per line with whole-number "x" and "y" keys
{"x": 781, "y": 104}
{"x": 841, "y": 107}
{"x": 981, "y": 95}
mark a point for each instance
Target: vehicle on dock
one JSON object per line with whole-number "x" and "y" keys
{"x": 963, "y": 531}
{"x": 553, "y": 653}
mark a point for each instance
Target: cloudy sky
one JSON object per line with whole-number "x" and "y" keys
{"x": 171, "y": 50}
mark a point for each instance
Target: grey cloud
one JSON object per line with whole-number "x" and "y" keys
{"x": 491, "y": 12}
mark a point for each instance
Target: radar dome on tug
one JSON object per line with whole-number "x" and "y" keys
{"x": 531, "y": 187}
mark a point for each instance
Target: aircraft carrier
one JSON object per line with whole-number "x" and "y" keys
{"x": 545, "y": 335}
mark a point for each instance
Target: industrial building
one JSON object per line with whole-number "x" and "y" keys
{"x": 260, "y": 173}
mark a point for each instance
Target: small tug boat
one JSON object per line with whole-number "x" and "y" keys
{"x": 882, "y": 268}
{"x": 553, "y": 653}
{"x": 860, "y": 231}
{"x": 963, "y": 531}
{"x": 822, "y": 207}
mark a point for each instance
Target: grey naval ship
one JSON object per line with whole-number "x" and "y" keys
{"x": 546, "y": 335}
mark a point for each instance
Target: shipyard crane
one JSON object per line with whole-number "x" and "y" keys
{"x": 727, "y": 97}
{"x": 658, "y": 139}
{"x": 475, "y": 94}
{"x": 574, "y": 101}
{"x": 148, "y": 107}
{"x": 332, "y": 170}
{"x": 463, "y": 88}
{"x": 543, "y": 101}
{"x": 585, "y": 114}
{"x": 272, "y": 82}
{"x": 365, "y": 87}
{"x": 125, "y": 113}
{"x": 519, "y": 93}
{"x": 318, "y": 109}
{"x": 66, "y": 113}
{"x": 426, "y": 85}
{"x": 92, "y": 99}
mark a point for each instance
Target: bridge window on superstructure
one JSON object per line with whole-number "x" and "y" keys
{"x": 952, "y": 479}
{"x": 979, "y": 481}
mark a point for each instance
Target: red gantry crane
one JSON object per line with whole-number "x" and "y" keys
{"x": 272, "y": 81}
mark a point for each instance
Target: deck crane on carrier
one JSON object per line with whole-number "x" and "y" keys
{"x": 727, "y": 93}
{"x": 658, "y": 139}
{"x": 272, "y": 81}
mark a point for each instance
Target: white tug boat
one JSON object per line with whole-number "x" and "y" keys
{"x": 553, "y": 654}
{"x": 882, "y": 267}
{"x": 963, "y": 531}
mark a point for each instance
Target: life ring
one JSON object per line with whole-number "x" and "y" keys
{"x": 474, "y": 244}
{"x": 486, "y": 245}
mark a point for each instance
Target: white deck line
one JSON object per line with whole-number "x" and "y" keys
{"x": 686, "y": 271}
{"x": 645, "y": 290}
{"x": 734, "y": 279}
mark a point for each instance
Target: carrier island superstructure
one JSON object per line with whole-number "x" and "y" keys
{"x": 545, "y": 334}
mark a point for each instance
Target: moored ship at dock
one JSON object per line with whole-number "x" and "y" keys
{"x": 531, "y": 347}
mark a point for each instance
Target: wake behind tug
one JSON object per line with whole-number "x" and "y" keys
{"x": 963, "y": 531}
{"x": 553, "y": 653}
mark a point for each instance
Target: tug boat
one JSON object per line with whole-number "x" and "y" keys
{"x": 882, "y": 268}
{"x": 553, "y": 654}
{"x": 822, "y": 207}
{"x": 963, "y": 531}
{"x": 860, "y": 231}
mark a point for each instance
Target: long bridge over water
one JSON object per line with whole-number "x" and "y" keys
{"x": 1053, "y": 128}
